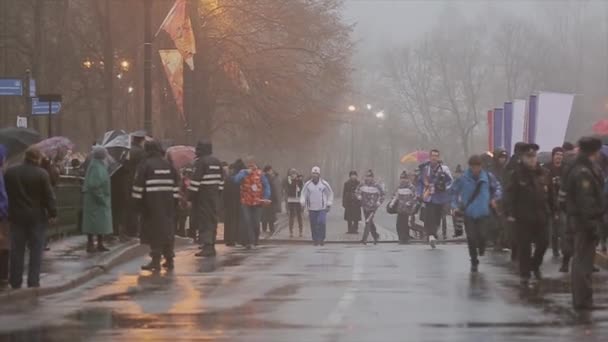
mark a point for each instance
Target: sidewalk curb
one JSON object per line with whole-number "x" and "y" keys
{"x": 129, "y": 251}
{"x": 298, "y": 241}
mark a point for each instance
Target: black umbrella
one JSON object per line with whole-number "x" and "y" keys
{"x": 17, "y": 140}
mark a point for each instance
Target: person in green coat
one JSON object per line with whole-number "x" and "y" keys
{"x": 97, "y": 206}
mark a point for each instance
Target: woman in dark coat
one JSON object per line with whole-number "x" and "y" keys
{"x": 352, "y": 206}
{"x": 232, "y": 205}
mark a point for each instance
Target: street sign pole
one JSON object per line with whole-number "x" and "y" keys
{"x": 50, "y": 98}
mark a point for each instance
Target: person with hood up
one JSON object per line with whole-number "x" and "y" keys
{"x": 136, "y": 155}
{"x": 404, "y": 203}
{"x": 255, "y": 193}
{"x": 5, "y": 241}
{"x": 31, "y": 208}
{"x": 317, "y": 197}
{"x": 371, "y": 195}
{"x": 232, "y": 205}
{"x": 351, "y": 204}
{"x": 156, "y": 194}
{"x": 292, "y": 188}
{"x": 97, "y": 206}
{"x": 204, "y": 193}
{"x": 473, "y": 195}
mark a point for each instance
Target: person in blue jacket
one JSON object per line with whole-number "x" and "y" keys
{"x": 473, "y": 195}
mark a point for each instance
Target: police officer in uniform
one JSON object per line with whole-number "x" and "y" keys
{"x": 527, "y": 207}
{"x": 584, "y": 205}
{"x": 204, "y": 193}
{"x": 156, "y": 194}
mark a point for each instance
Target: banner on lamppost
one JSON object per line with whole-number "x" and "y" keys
{"x": 179, "y": 27}
{"x": 173, "y": 63}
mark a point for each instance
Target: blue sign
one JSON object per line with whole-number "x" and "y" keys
{"x": 11, "y": 87}
{"x": 32, "y": 87}
{"x": 42, "y": 108}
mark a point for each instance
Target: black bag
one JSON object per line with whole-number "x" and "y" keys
{"x": 392, "y": 209}
{"x": 458, "y": 217}
{"x": 441, "y": 179}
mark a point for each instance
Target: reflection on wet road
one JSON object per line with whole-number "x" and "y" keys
{"x": 304, "y": 293}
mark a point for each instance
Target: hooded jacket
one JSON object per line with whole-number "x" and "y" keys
{"x": 208, "y": 177}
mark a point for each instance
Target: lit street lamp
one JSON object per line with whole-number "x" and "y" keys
{"x": 352, "y": 108}
{"x": 380, "y": 115}
{"x": 369, "y": 106}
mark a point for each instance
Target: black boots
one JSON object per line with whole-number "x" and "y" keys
{"x": 153, "y": 265}
{"x": 168, "y": 264}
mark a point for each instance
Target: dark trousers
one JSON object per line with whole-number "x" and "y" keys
{"x": 444, "y": 225}
{"x": 353, "y": 226}
{"x": 207, "y": 222}
{"x": 132, "y": 220}
{"x": 295, "y": 212}
{"x": 403, "y": 227}
{"x": 250, "y": 224}
{"x": 476, "y": 236}
{"x": 33, "y": 236}
{"x": 4, "y": 264}
{"x": 370, "y": 226}
{"x": 582, "y": 268}
{"x": 182, "y": 216}
{"x": 529, "y": 233}
{"x": 164, "y": 248}
{"x": 432, "y": 218}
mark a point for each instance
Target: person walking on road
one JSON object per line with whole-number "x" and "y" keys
{"x": 156, "y": 192}
{"x": 31, "y": 207}
{"x": 204, "y": 193}
{"x": 317, "y": 197}
{"x": 510, "y": 227}
{"x": 433, "y": 184}
{"x": 292, "y": 189}
{"x": 527, "y": 206}
{"x": 556, "y": 223}
{"x": 232, "y": 205}
{"x": 97, "y": 205}
{"x": 585, "y": 208}
{"x": 404, "y": 204}
{"x": 371, "y": 195}
{"x": 269, "y": 212}
{"x": 255, "y": 193}
{"x": 473, "y": 195}
{"x": 5, "y": 241}
{"x": 351, "y": 204}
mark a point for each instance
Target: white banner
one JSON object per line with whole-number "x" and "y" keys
{"x": 22, "y": 122}
{"x": 552, "y": 121}
{"x": 519, "y": 121}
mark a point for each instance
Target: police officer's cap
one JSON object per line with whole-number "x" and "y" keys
{"x": 589, "y": 144}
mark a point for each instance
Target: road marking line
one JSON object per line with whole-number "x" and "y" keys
{"x": 348, "y": 297}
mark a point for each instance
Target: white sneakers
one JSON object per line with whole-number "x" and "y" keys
{"x": 432, "y": 241}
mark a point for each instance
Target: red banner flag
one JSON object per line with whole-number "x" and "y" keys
{"x": 178, "y": 25}
{"x": 173, "y": 63}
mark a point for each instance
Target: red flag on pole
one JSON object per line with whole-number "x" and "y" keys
{"x": 173, "y": 63}
{"x": 178, "y": 25}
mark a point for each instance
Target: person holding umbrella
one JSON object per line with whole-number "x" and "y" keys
{"x": 97, "y": 207}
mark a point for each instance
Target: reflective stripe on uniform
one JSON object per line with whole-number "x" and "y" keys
{"x": 138, "y": 196}
{"x": 138, "y": 188}
{"x": 212, "y": 176}
{"x": 213, "y": 182}
{"x": 159, "y": 188}
{"x": 214, "y": 167}
{"x": 162, "y": 172}
{"x": 160, "y": 182}
{"x": 177, "y": 196}
{"x": 192, "y": 188}
{"x": 195, "y": 183}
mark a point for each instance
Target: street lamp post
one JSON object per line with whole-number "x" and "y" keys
{"x": 352, "y": 109}
{"x": 148, "y": 66}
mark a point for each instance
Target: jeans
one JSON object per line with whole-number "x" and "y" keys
{"x": 33, "y": 236}
{"x": 317, "y": 224}
{"x": 295, "y": 212}
{"x": 251, "y": 224}
{"x": 476, "y": 239}
{"x": 403, "y": 227}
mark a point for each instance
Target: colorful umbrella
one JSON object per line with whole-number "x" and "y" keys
{"x": 17, "y": 140}
{"x": 415, "y": 157}
{"x": 55, "y": 147}
{"x": 181, "y": 155}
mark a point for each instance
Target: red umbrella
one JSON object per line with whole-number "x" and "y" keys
{"x": 180, "y": 155}
{"x": 601, "y": 127}
{"x": 55, "y": 146}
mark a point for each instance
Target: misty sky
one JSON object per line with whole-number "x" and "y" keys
{"x": 389, "y": 22}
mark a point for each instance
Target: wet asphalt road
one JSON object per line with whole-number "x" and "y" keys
{"x": 305, "y": 293}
